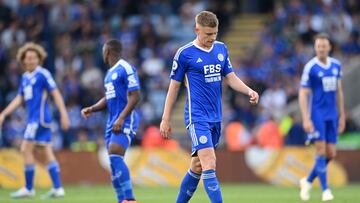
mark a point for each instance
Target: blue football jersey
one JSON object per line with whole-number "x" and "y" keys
{"x": 119, "y": 80}
{"x": 202, "y": 71}
{"x": 322, "y": 80}
{"x": 35, "y": 88}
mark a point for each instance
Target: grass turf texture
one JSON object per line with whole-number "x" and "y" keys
{"x": 232, "y": 193}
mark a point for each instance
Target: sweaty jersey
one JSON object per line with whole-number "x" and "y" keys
{"x": 322, "y": 80}
{"x": 119, "y": 80}
{"x": 202, "y": 71}
{"x": 34, "y": 88}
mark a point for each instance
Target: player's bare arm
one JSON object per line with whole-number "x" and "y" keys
{"x": 16, "y": 102}
{"x": 64, "y": 118}
{"x": 98, "y": 106}
{"x": 237, "y": 84}
{"x": 165, "y": 127}
{"x": 340, "y": 106}
{"x": 133, "y": 99}
{"x": 303, "y": 102}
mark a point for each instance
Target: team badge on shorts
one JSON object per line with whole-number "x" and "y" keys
{"x": 203, "y": 139}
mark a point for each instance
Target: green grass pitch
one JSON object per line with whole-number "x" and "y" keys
{"x": 235, "y": 193}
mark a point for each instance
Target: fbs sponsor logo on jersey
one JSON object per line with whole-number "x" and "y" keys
{"x": 212, "y": 73}
{"x": 109, "y": 91}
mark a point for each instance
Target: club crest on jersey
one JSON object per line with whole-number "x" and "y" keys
{"x": 33, "y": 81}
{"x": 335, "y": 71}
{"x": 320, "y": 74}
{"x": 114, "y": 76}
{"x": 221, "y": 57}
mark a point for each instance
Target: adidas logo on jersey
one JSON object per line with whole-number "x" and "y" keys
{"x": 199, "y": 60}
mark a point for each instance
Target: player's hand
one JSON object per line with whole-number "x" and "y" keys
{"x": 117, "y": 126}
{"x": 65, "y": 122}
{"x": 341, "y": 126}
{"x": 165, "y": 129}
{"x": 308, "y": 125}
{"x": 85, "y": 112}
{"x": 2, "y": 118}
{"x": 254, "y": 97}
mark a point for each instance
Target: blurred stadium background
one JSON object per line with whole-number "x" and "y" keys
{"x": 269, "y": 42}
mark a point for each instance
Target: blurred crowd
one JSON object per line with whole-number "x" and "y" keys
{"x": 151, "y": 31}
{"x": 73, "y": 33}
{"x": 273, "y": 66}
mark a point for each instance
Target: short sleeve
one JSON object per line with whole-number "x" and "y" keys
{"x": 228, "y": 67}
{"x": 178, "y": 67}
{"x": 305, "y": 77}
{"x": 132, "y": 82}
{"x": 21, "y": 88}
{"x": 340, "y": 73}
{"x": 49, "y": 81}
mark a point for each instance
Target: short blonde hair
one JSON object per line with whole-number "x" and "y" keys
{"x": 31, "y": 46}
{"x": 206, "y": 19}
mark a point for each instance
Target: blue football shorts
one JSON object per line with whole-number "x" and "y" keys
{"x": 325, "y": 130}
{"x": 204, "y": 135}
{"x": 37, "y": 133}
{"x": 122, "y": 139}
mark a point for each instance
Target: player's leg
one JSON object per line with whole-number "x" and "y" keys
{"x": 208, "y": 162}
{"x": 43, "y": 140}
{"x": 190, "y": 181}
{"x": 331, "y": 140}
{"x": 319, "y": 168}
{"x": 211, "y": 183}
{"x": 26, "y": 149}
{"x": 330, "y": 152}
{"x": 120, "y": 172}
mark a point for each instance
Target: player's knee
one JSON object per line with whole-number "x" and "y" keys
{"x": 320, "y": 151}
{"x": 331, "y": 155}
{"x": 25, "y": 151}
{"x": 116, "y": 149}
{"x": 208, "y": 162}
{"x": 196, "y": 167}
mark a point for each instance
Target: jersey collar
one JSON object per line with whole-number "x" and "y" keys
{"x": 202, "y": 49}
{"x": 116, "y": 65}
{"x": 30, "y": 74}
{"x": 325, "y": 66}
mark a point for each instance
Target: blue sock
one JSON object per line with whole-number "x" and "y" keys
{"x": 54, "y": 172}
{"x": 116, "y": 184}
{"x": 29, "y": 176}
{"x": 313, "y": 173}
{"x": 188, "y": 186}
{"x": 320, "y": 168}
{"x": 212, "y": 186}
{"x": 122, "y": 175}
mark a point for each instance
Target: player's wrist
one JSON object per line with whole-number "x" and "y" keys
{"x": 249, "y": 91}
